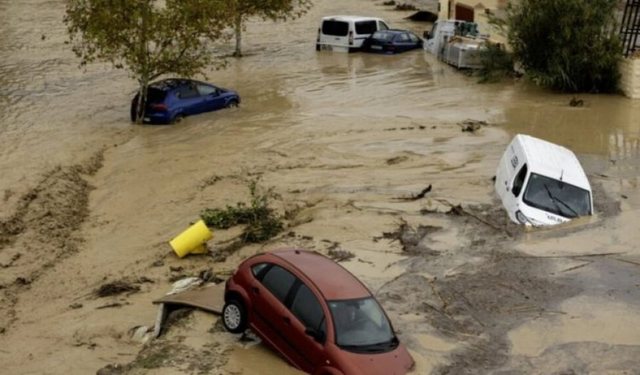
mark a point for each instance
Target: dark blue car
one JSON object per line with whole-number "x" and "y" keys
{"x": 170, "y": 100}
{"x": 391, "y": 41}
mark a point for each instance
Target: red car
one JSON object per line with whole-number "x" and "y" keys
{"x": 319, "y": 316}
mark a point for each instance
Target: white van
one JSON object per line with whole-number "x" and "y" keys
{"x": 541, "y": 183}
{"x": 346, "y": 33}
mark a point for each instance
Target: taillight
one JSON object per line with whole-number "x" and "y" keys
{"x": 318, "y": 40}
{"x": 350, "y": 37}
{"x": 159, "y": 107}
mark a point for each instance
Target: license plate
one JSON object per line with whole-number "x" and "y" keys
{"x": 326, "y": 47}
{"x": 376, "y": 47}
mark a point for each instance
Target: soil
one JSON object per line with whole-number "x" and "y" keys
{"x": 368, "y": 163}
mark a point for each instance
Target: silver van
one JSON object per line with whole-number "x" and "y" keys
{"x": 346, "y": 33}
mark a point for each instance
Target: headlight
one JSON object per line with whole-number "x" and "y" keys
{"x": 521, "y": 218}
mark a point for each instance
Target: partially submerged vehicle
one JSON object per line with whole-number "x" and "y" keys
{"x": 456, "y": 42}
{"x": 346, "y": 33}
{"x": 541, "y": 183}
{"x": 391, "y": 41}
{"x": 315, "y": 313}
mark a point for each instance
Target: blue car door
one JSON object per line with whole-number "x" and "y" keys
{"x": 402, "y": 42}
{"x": 211, "y": 96}
{"x": 190, "y": 101}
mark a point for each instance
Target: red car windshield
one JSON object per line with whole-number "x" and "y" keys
{"x": 362, "y": 326}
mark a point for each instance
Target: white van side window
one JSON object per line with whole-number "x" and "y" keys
{"x": 365, "y": 27}
{"x": 518, "y": 182}
{"x": 382, "y": 26}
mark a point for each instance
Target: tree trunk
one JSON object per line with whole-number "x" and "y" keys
{"x": 238, "y": 30}
{"x": 142, "y": 100}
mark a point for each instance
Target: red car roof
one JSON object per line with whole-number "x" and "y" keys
{"x": 330, "y": 278}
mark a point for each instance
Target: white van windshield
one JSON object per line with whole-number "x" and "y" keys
{"x": 557, "y": 197}
{"x": 335, "y": 28}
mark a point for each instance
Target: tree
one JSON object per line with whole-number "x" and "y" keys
{"x": 269, "y": 9}
{"x": 569, "y": 45}
{"x": 149, "y": 38}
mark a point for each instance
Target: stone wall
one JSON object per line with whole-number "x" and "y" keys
{"x": 630, "y": 79}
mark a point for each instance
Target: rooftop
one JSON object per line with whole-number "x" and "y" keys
{"x": 331, "y": 279}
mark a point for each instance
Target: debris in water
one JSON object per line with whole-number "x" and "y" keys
{"x": 417, "y": 196}
{"x": 423, "y": 16}
{"x": 575, "y": 102}
{"x": 340, "y": 255}
{"x": 75, "y": 306}
{"x": 116, "y": 288}
{"x": 472, "y": 126}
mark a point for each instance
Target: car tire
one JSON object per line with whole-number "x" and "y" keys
{"x": 234, "y": 316}
{"x": 232, "y": 104}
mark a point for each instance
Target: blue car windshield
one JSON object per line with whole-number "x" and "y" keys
{"x": 382, "y": 35}
{"x": 361, "y": 326}
{"x": 557, "y": 197}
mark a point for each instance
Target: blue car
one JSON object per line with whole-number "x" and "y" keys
{"x": 391, "y": 41}
{"x": 171, "y": 100}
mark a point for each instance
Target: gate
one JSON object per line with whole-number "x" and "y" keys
{"x": 630, "y": 28}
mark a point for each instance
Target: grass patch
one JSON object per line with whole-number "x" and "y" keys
{"x": 262, "y": 222}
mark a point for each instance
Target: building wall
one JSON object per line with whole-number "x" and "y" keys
{"x": 630, "y": 79}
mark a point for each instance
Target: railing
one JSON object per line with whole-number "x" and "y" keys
{"x": 630, "y": 28}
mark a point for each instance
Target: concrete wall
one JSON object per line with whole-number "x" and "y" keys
{"x": 630, "y": 79}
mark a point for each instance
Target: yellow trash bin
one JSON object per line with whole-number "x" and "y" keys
{"x": 192, "y": 240}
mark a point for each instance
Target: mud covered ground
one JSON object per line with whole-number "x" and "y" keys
{"x": 347, "y": 143}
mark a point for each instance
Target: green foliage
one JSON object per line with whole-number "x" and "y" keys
{"x": 262, "y": 223}
{"x": 149, "y": 38}
{"x": 568, "y": 45}
{"x": 497, "y": 63}
{"x": 276, "y": 10}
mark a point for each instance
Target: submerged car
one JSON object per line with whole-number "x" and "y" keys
{"x": 315, "y": 313}
{"x": 391, "y": 41}
{"x": 171, "y": 100}
{"x": 541, "y": 183}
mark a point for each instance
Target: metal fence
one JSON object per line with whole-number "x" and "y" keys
{"x": 630, "y": 27}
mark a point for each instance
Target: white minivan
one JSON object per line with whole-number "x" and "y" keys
{"x": 541, "y": 183}
{"x": 346, "y": 33}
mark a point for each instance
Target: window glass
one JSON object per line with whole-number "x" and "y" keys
{"x": 278, "y": 281}
{"x": 382, "y": 35}
{"x": 187, "y": 91}
{"x": 365, "y": 27}
{"x": 557, "y": 197}
{"x": 256, "y": 269}
{"x": 307, "y": 309}
{"x": 335, "y": 28}
{"x": 206, "y": 89}
{"x": 361, "y": 325}
{"x": 403, "y": 37}
{"x": 518, "y": 182}
{"x": 155, "y": 95}
{"x": 413, "y": 38}
{"x": 382, "y": 26}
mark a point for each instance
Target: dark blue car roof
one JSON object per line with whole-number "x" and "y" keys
{"x": 171, "y": 83}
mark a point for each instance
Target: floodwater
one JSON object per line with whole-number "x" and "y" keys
{"x": 86, "y": 198}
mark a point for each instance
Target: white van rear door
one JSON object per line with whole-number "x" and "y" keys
{"x": 334, "y": 32}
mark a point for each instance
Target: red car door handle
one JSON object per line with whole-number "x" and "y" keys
{"x": 286, "y": 319}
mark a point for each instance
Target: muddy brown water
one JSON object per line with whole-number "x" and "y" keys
{"x": 86, "y": 198}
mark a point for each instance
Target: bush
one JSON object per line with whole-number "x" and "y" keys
{"x": 568, "y": 45}
{"x": 497, "y": 63}
{"x": 261, "y": 221}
